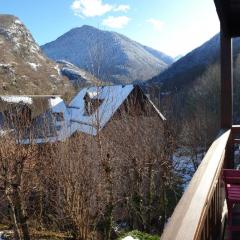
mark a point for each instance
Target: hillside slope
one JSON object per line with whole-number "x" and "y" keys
{"x": 24, "y": 69}
{"x": 187, "y": 69}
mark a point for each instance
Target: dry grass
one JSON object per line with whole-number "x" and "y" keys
{"x": 46, "y": 234}
{"x": 43, "y": 234}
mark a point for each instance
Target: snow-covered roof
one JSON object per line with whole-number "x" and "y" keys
{"x": 27, "y": 99}
{"x": 17, "y": 99}
{"x": 112, "y": 97}
{"x": 93, "y": 94}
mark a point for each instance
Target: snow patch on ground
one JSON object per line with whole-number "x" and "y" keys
{"x": 2, "y": 133}
{"x": 17, "y": 99}
{"x": 130, "y": 238}
{"x": 5, "y": 65}
{"x": 17, "y": 21}
{"x": 5, "y": 234}
{"x": 34, "y": 66}
{"x": 183, "y": 163}
{"x": 20, "y": 36}
{"x": 58, "y": 70}
{"x": 15, "y": 32}
{"x": 34, "y": 49}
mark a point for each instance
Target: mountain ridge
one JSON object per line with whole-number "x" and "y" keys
{"x": 107, "y": 55}
{"x": 187, "y": 69}
{"x": 189, "y": 66}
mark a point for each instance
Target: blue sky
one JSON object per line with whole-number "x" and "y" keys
{"x": 172, "y": 26}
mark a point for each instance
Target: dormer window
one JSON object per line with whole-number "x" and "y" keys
{"x": 58, "y": 116}
{"x": 92, "y": 102}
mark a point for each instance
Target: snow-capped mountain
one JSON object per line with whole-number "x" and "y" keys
{"x": 109, "y": 56}
{"x": 24, "y": 69}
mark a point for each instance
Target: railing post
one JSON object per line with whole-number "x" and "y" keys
{"x": 226, "y": 81}
{"x": 229, "y": 159}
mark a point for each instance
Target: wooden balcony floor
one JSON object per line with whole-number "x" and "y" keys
{"x": 236, "y": 222}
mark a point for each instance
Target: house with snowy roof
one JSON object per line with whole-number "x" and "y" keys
{"x": 49, "y": 119}
{"x": 92, "y": 108}
{"x": 36, "y": 117}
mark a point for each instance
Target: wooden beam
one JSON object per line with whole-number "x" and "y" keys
{"x": 228, "y": 12}
{"x": 223, "y": 11}
{"x": 235, "y": 129}
{"x": 226, "y": 81}
{"x": 236, "y": 140}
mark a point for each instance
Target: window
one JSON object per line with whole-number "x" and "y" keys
{"x": 58, "y": 116}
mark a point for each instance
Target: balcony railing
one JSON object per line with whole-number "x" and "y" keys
{"x": 200, "y": 212}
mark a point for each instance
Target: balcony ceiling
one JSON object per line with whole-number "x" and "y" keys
{"x": 229, "y": 15}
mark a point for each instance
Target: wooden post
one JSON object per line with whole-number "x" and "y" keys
{"x": 226, "y": 81}
{"x": 229, "y": 159}
{"x": 227, "y": 93}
